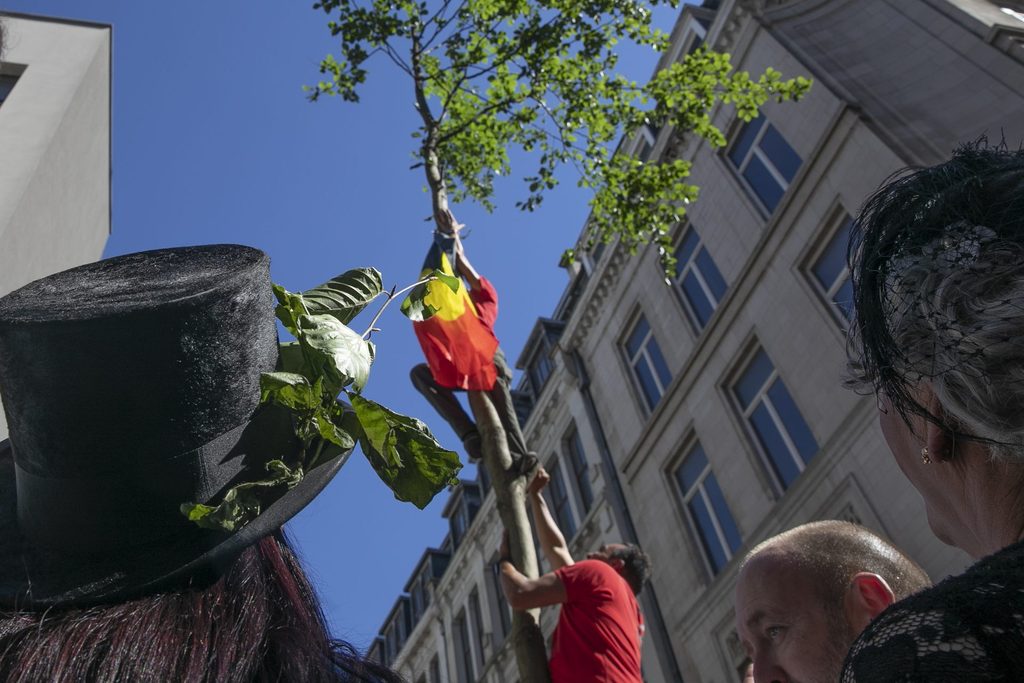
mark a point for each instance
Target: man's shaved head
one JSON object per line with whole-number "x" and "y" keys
{"x": 833, "y": 551}
{"x": 804, "y": 596}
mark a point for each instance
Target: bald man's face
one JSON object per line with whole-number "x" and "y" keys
{"x": 791, "y": 636}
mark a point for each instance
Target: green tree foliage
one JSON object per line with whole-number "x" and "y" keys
{"x": 540, "y": 75}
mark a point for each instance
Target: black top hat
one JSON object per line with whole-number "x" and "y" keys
{"x": 131, "y": 386}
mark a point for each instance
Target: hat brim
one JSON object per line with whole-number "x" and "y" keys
{"x": 31, "y": 577}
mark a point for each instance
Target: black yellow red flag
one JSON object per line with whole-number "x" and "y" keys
{"x": 458, "y": 345}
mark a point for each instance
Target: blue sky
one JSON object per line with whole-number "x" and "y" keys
{"x": 214, "y": 141}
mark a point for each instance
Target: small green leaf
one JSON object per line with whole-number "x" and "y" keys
{"x": 453, "y": 282}
{"x": 334, "y": 351}
{"x": 345, "y": 295}
{"x": 242, "y": 503}
{"x": 290, "y": 308}
{"x": 404, "y": 453}
{"x": 414, "y": 307}
{"x": 290, "y": 390}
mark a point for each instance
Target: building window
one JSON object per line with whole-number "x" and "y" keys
{"x": 463, "y": 651}
{"x": 435, "y": 670}
{"x": 697, "y": 281}
{"x": 765, "y": 160}
{"x": 781, "y": 431}
{"x": 580, "y": 471}
{"x": 499, "y": 606}
{"x": 644, "y": 357}
{"x": 707, "y": 510}
{"x": 830, "y": 273}
{"x": 559, "y": 501}
{"x": 6, "y": 85}
{"x": 478, "y": 625}
{"x": 648, "y": 135}
{"x": 539, "y": 369}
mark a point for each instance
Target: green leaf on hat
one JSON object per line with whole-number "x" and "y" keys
{"x": 241, "y": 504}
{"x": 290, "y": 390}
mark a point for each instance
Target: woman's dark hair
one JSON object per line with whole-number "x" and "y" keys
{"x": 260, "y": 621}
{"x": 937, "y": 258}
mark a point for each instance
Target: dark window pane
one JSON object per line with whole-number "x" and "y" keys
{"x": 774, "y": 446}
{"x": 435, "y": 670}
{"x": 798, "y": 430}
{"x": 659, "y": 362}
{"x": 702, "y": 520}
{"x": 711, "y": 275}
{"x": 637, "y": 337}
{"x": 763, "y": 183}
{"x": 832, "y": 261}
{"x": 745, "y": 140}
{"x": 782, "y": 156}
{"x": 698, "y": 300}
{"x": 722, "y": 513}
{"x": 478, "y": 624}
{"x": 6, "y": 85}
{"x": 579, "y": 468}
{"x": 754, "y": 378}
{"x": 647, "y": 384}
{"x": 685, "y": 249}
{"x": 691, "y": 469}
{"x": 560, "y": 502}
{"x": 695, "y": 45}
{"x": 844, "y": 299}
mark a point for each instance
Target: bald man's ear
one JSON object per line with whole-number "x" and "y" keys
{"x": 868, "y": 595}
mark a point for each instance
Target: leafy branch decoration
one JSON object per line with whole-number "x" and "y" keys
{"x": 329, "y": 359}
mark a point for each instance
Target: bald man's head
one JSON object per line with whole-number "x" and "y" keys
{"x": 805, "y": 595}
{"x": 833, "y": 551}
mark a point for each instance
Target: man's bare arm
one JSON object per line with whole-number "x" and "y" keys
{"x": 552, "y": 541}
{"x": 523, "y": 593}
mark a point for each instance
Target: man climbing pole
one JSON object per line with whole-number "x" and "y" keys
{"x": 461, "y": 349}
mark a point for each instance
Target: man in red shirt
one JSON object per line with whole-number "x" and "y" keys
{"x": 442, "y": 397}
{"x": 599, "y": 629}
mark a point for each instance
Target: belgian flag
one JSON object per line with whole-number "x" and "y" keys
{"x": 458, "y": 345}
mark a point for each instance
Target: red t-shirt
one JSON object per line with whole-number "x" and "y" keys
{"x": 597, "y": 639}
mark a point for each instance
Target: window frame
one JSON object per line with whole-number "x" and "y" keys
{"x": 568, "y": 525}
{"x": 662, "y": 385}
{"x": 574, "y": 453}
{"x": 746, "y": 412}
{"x": 739, "y": 168}
{"x": 698, "y": 487}
{"x": 840, "y": 222}
{"x": 691, "y": 265}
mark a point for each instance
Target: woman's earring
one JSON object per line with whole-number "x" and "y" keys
{"x": 925, "y": 458}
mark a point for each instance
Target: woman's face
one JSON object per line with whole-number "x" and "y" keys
{"x": 935, "y": 481}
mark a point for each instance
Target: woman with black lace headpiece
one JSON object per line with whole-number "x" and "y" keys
{"x": 938, "y": 265}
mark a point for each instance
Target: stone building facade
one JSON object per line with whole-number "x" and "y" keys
{"x": 702, "y": 415}
{"x": 54, "y": 148}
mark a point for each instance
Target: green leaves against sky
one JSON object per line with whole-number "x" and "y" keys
{"x": 490, "y": 75}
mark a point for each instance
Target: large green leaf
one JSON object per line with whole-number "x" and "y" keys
{"x": 242, "y": 503}
{"x": 346, "y": 295}
{"x": 404, "y": 453}
{"x": 334, "y": 351}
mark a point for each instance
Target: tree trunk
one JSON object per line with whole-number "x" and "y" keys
{"x": 509, "y": 487}
{"x": 510, "y": 494}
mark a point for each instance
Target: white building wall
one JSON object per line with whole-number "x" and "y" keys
{"x": 54, "y": 149}
{"x": 888, "y": 75}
